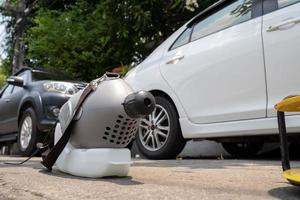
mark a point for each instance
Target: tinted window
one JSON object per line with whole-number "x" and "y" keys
{"x": 234, "y": 13}
{"x": 40, "y": 75}
{"x": 182, "y": 39}
{"x": 7, "y": 91}
{"x": 283, "y": 3}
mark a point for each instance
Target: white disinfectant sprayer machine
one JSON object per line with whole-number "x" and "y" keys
{"x": 95, "y": 125}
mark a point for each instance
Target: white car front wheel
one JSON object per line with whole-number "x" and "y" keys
{"x": 159, "y": 135}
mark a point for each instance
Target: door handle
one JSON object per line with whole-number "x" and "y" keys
{"x": 7, "y": 100}
{"x": 174, "y": 59}
{"x": 291, "y": 21}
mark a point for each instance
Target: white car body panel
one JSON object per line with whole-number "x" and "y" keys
{"x": 145, "y": 82}
{"x": 265, "y": 126}
{"x": 230, "y": 63}
{"x": 231, "y": 107}
{"x": 282, "y": 50}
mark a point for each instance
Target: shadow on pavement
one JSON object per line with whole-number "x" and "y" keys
{"x": 35, "y": 164}
{"x": 275, "y": 153}
{"x": 116, "y": 180}
{"x": 269, "y": 158}
{"x": 202, "y": 163}
{"x": 284, "y": 193}
{"x": 205, "y": 163}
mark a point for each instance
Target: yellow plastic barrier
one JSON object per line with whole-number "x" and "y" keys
{"x": 289, "y": 104}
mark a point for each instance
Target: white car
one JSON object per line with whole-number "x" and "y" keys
{"x": 219, "y": 76}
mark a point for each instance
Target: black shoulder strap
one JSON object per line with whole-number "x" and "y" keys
{"x": 50, "y": 159}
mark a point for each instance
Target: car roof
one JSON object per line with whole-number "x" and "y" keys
{"x": 206, "y": 11}
{"x": 23, "y": 69}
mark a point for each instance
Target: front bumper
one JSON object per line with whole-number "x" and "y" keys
{"x": 46, "y": 124}
{"x": 50, "y": 101}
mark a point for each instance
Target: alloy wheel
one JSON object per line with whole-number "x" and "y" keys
{"x": 154, "y": 129}
{"x": 26, "y": 132}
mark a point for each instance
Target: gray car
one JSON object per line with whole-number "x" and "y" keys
{"x": 30, "y": 103}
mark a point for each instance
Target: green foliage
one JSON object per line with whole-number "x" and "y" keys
{"x": 5, "y": 67}
{"x": 2, "y": 80}
{"x": 125, "y": 69}
{"x": 85, "y": 38}
{"x": 3, "y": 76}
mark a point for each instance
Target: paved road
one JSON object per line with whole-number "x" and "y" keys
{"x": 176, "y": 179}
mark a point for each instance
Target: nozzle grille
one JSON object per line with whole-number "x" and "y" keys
{"x": 122, "y": 132}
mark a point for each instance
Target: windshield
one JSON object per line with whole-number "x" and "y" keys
{"x": 41, "y": 75}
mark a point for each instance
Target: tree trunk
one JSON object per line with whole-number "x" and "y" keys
{"x": 18, "y": 57}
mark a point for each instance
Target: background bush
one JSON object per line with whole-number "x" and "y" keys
{"x": 3, "y": 77}
{"x": 85, "y": 38}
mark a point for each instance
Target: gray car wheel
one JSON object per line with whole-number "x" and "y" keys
{"x": 28, "y": 135}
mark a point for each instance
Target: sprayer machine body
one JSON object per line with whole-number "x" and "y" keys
{"x": 105, "y": 124}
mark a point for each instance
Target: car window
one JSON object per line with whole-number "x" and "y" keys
{"x": 182, "y": 39}
{"x": 42, "y": 75}
{"x": 7, "y": 91}
{"x": 234, "y": 13}
{"x": 284, "y": 3}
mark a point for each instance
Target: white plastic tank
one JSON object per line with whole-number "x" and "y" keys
{"x": 93, "y": 163}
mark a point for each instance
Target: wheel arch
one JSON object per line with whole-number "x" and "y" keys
{"x": 173, "y": 145}
{"x": 35, "y": 136}
{"x": 163, "y": 94}
{"x": 26, "y": 104}
{"x": 32, "y": 99}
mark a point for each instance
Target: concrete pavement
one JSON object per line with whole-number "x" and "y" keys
{"x": 174, "y": 179}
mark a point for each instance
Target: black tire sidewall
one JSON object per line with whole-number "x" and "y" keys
{"x": 175, "y": 141}
{"x": 34, "y": 135}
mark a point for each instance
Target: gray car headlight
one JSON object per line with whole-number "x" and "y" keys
{"x": 60, "y": 87}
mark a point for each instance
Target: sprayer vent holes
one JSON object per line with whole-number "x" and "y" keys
{"x": 120, "y": 135}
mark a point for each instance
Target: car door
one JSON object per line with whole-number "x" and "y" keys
{"x": 14, "y": 104}
{"x": 281, "y": 36}
{"x": 11, "y": 102}
{"x": 219, "y": 75}
{"x": 4, "y": 110}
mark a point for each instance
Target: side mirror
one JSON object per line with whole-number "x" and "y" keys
{"x": 16, "y": 81}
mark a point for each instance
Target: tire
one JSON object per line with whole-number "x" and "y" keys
{"x": 129, "y": 146}
{"x": 165, "y": 129}
{"x": 243, "y": 149}
{"x": 26, "y": 143}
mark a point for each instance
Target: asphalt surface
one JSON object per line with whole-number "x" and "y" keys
{"x": 174, "y": 179}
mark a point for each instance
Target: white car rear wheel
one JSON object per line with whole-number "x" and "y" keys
{"x": 243, "y": 149}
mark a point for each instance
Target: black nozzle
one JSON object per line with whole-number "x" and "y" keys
{"x": 139, "y": 104}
